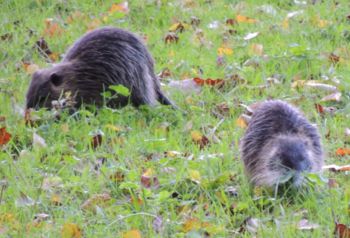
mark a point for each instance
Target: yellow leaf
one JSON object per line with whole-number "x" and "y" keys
{"x": 241, "y": 122}
{"x": 55, "y": 199}
{"x": 196, "y": 136}
{"x": 224, "y": 51}
{"x": 298, "y": 83}
{"x": 191, "y": 224}
{"x": 70, "y": 230}
{"x": 121, "y": 7}
{"x": 115, "y": 128}
{"x": 195, "y": 176}
{"x": 148, "y": 173}
{"x": 285, "y": 23}
{"x": 132, "y": 234}
{"x": 241, "y": 18}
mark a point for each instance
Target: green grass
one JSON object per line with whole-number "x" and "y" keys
{"x": 68, "y": 165}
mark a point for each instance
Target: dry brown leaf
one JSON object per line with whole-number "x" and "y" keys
{"x": 149, "y": 180}
{"x": 171, "y": 37}
{"x": 200, "y": 139}
{"x": 341, "y": 231}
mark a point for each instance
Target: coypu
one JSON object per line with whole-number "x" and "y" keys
{"x": 101, "y": 58}
{"x": 279, "y": 145}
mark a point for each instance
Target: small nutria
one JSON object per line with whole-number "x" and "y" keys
{"x": 280, "y": 144}
{"x": 101, "y": 58}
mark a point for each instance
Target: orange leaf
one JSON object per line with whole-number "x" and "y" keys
{"x": 4, "y": 136}
{"x": 241, "y": 122}
{"x": 52, "y": 28}
{"x": 121, "y": 7}
{"x": 132, "y": 234}
{"x": 70, "y": 230}
{"x": 241, "y": 18}
{"x": 209, "y": 81}
{"x": 342, "y": 151}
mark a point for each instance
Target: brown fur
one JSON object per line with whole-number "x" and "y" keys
{"x": 278, "y": 142}
{"x": 101, "y": 58}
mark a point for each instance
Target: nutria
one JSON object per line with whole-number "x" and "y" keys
{"x": 101, "y": 58}
{"x": 280, "y": 144}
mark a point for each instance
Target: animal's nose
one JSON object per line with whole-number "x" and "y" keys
{"x": 298, "y": 163}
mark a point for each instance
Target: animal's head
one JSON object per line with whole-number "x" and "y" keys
{"x": 285, "y": 158}
{"x": 46, "y": 86}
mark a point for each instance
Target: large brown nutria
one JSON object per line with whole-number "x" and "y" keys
{"x": 280, "y": 144}
{"x": 101, "y": 58}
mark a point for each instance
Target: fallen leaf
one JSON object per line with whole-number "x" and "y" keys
{"x": 250, "y": 36}
{"x": 171, "y": 37}
{"x": 149, "y": 180}
{"x": 342, "y": 151}
{"x": 5, "y": 137}
{"x": 195, "y": 176}
{"x": 56, "y": 200}
{"x": 191, "y": 224}
{"x": 245, "y": 19}
{"x": 334, "y": 97}
{"x": 333, "y": 58}
{"x": 96, "y": 138}
{"x": 200, "y": 139}
{"x": 95, "y": 200}
{"x": 211, "y": 82}
{"x": 195, "y": 21}
{"x": 225, "y": 51}
{"x": 120, "y": 7}
{"x": 132, "y": 234}
{"x": 341, "y": 230}
{"x": 179, "y": 27}
{"x": 52, "y": 28}
{"x": 336, "y": 168}
{"x": 70, "y": 230}
{"x": 231, "y": 22}
{"x": 242, "y": 122}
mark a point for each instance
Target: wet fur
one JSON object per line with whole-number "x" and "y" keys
{"x": 103, "y": 57}
{"x": 276, "y": 131}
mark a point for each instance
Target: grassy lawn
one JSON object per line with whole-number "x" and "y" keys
{"x": 158, "y": 172}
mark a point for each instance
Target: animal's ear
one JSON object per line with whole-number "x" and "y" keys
{"x": 56, "y": 80}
